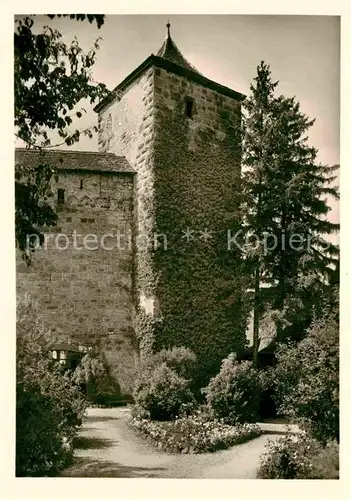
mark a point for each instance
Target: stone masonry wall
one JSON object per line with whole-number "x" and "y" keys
{"x": 196, "y": 180}
{"x": 186, "y": 290}
{"x": 132, "y": 135}
{"x": 188, "y": 176}
{"x": 85, "y": 294}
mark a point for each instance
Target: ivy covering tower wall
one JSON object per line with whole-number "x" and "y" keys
{"x": 187, "y": 285}
{"x": 197, "y": 279}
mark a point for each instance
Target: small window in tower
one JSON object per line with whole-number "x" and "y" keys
{"x": 60, "y": 196}
{"x": 189, "y": 107}
{"x": 81, "y": 184}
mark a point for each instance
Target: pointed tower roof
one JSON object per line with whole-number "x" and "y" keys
{"x": 170, "y": 51}
{"x": 172, "y": 60}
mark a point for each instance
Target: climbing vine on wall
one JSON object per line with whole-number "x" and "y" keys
{"x": 195, "y": 184}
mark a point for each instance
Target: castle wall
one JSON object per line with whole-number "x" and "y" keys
{"x": 186, "y": 289}
{"x": 188, "y": 176}
{"x": 187, "y": 292}
{"x": 196, "y": 164}
{"x": 132, "y": 135}
{"x": 125, "y": 126}
{"x": 85, "y": 292}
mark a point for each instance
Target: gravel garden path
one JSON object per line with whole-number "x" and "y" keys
{"x": 107, "y": 447}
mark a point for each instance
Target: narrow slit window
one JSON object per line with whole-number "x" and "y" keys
{"x": 60, "y": 196}
{"x": 189, "y": 107}
{"x": 81, "y": 184}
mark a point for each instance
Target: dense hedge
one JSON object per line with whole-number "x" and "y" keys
{"x": 306, "y": 385}
{"x": 306, "y": 380}
{"x": 49, "y": 407}
{"x": 234, "y": 393}
{"x": 300, "y": 458}
{"x": 162, "y": 392}
{"x": 162, "y": 386}
{"x": 92, "y": 375}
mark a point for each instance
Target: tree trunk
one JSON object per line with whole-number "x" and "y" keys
{"x": 256, "y": 320}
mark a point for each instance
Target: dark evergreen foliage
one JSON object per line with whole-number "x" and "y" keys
{"x": 284, "y": 204}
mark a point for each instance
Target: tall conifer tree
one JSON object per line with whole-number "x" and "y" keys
{"x": 285, "y": 206}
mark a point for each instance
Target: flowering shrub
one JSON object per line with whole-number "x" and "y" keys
{"x": 92, "y": 374}
{"x": 49, "y": 407}
{"x": 300, "y": 457}
{"x": 234, "y": 393}
{"x": 161, "y": 388}
{"x": 193, "y": 433}
{"x": 180, "y": 359}
{"x": 162, "y": 392}
{"x": 306, "y": 380}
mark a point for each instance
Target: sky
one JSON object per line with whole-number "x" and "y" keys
{"x": 302, "y": 51}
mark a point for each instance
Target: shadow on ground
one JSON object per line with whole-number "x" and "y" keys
{"x": 92, "y": 443}
{"x": 86, "y": 467}
{"x": 92, "y": 419}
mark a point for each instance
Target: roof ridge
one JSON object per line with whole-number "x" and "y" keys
{"x": 70, "y": 151}
{"x": 76, "y": 160}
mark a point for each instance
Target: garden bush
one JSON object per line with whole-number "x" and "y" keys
{"x": 300, "y": 457}
{"x": 161, "y": 392}
{"x": 161, "y": 387}
{"x": 306, "y": 380}
{"x": 49, "y": 407}
{"x": 195, "y": 433}
{"x": 234, "y": 393}
{"x": 93, "y": 375}
{"x": 180, "y": 359}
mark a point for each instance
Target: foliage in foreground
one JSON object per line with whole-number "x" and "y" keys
{"x": 234, "y": 393}
{"x": 300, "y": 457}
{"x": 49, "y": 406}
{"x": 52, "y": 79}
{"x": 195, "y": 433}
{"x": 306, "y": 380}
{"x": 161, "y": 386}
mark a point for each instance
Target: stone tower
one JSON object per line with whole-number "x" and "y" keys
{"x": 179, "y": 131}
